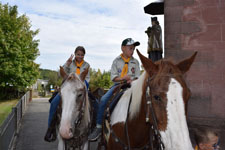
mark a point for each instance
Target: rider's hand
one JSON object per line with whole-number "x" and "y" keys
{"x": 127, "y": 78}
{"x": 69, "y": 61}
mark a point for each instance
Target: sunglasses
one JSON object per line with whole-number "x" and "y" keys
{"x": 215, "y": 146}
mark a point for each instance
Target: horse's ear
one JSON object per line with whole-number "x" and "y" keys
{"x": 63, "y": 73}
{"x": 149, "y": 66}
{"x": 185, "y": 65}
{"x": 84, "y": 74}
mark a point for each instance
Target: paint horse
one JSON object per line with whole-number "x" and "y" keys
{"x": 75, "y": 112}
{"x": 152, "y": 113}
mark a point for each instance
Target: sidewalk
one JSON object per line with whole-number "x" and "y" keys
{"x": 33, "y": 127}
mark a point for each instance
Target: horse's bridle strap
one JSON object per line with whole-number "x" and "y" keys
{"x": 153, "y": 116}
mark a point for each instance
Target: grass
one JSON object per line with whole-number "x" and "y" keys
{"x": 6, "y": 108}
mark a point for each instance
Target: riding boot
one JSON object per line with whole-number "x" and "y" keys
{"x": 50, "y": 135}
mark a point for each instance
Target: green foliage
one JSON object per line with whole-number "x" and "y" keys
{"x": 18, "y": 50}
{"x": 52, "y": 77}
{"x": 99, "y": 79}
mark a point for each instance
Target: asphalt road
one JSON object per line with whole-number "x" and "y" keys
{"x": 33, "y": 127}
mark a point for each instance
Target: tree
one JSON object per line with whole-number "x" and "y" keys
{"x": 18, "y": 50}
{"x": 52, "y": 77}
{"x": 99, "y": 79}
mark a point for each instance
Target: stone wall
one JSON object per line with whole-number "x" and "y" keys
{"x": 199, "y": 25}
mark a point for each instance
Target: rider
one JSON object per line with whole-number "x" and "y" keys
{"x": 77, "y": 65}
{"x": 124, "y": 68}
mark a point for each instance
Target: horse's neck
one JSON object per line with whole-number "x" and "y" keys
{"x": 137, "y": 92}
{"x": 123, "y": 104}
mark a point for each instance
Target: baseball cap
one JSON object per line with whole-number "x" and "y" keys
{"x": 130, "y": 41}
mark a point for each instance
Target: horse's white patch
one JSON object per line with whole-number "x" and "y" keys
{"x": 69, "y": 106}
{"x": 176, "y": 136}
{"x": 120, "y": 112}
{"x": 68, "y": 96}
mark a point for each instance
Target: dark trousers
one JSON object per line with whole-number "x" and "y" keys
{"x": 155, "y": 55}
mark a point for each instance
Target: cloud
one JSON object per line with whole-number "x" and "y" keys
{"x": 98, "y": 25}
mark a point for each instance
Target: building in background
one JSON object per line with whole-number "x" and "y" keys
{"x": 198, "y": 25}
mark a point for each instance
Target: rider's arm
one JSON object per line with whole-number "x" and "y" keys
{"x": 66, "y": 68}
{"x": 119, "y": 79}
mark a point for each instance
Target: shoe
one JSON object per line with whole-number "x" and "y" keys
{"x": 50, "y": 135}
{"x": 95, "y": 134}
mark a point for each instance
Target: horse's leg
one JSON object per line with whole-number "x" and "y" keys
{"x": 61, "y": 144}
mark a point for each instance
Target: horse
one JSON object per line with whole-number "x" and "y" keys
{"x": 74, "y": 118}
{"x": 151, "y": 114}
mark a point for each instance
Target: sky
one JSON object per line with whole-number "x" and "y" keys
{"x": 98, "y": 25}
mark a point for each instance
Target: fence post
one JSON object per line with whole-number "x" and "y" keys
{"x": 1, "y": 147}
{"x": 30, "y": 98}
{"x": 25, "y": 102}
{"x": 14, "y": 110}
{"x": 21, "y": 114}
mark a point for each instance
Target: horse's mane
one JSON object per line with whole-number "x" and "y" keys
{"x": 137, "y": 90}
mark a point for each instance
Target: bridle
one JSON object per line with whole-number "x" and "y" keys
{"x": 154, "y": 127}
{"x": 154, "y": 133}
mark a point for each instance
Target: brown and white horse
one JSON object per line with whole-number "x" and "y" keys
{"x": 162, "y": 86}
{"x": 75, "y": 115}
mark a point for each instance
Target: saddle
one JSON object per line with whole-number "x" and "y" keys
{"x": 118, "y": 92}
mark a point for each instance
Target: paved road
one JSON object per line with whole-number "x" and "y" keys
{"x": 33, "y": 128}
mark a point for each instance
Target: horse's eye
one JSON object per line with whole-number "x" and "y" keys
{"x": 156, "y": 97}
{"x": 79, "y": 95}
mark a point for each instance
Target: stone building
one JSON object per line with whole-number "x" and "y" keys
{"x": 199, "y": 25}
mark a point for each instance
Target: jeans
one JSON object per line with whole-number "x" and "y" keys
{"x": 104, "y": 100}
{"x": 53, "y": 108}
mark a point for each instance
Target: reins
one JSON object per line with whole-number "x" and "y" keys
{"x": 154, "y": 126}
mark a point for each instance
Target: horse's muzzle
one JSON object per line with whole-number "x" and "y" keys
{"x": 66, "y": 132}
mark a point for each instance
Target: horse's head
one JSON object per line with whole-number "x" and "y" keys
{"x": 169, "y": 95}
{"x": 75, "y": 105}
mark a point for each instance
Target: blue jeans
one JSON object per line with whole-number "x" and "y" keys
{"x": 104, "y": 100}
{"x": 53, "y": 108}
{"x": 54, "y": 105}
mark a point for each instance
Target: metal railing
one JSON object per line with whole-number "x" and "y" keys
{"x": 10, "y": 126}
